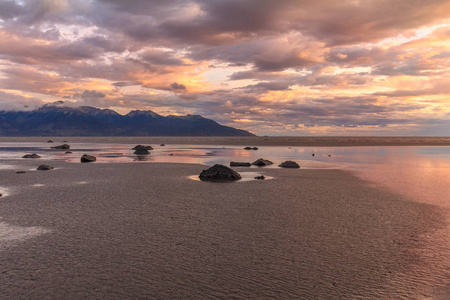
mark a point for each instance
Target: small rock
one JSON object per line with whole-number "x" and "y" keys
{"x": 329, "y": 155}
{"x": 68, "y": 152}
{"x": 34, "y": 155}
{"x": 88, "y": 158}
{"x": 141, "y": 151}
{"x": 20, "y": 172}
{"x": 49, "y": 141}
{"x": 313, "y": 154}
{"x": 171, "y": 154}
{"x": 219, "y": 173}
{"x": 61, "y": 147}
{"x": 139, "y": 147}
{"x": 289, "y": 164}
{"x": 44, "y": 168}
{"x": 162, "y": 145}
{"x": 240, "y": 164}
{"x": 251, "y": 148}
{"x": 260, "y": 177}
{"x": 262, "y": 162}
{"x": 1, "y": 195}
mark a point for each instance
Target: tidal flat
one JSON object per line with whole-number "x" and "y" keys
{"x": 146, "y": 230}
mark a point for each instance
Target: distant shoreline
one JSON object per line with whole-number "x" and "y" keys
{"x": 248, "y": 141}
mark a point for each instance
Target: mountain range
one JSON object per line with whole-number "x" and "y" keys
{"x": 57, "y": 120}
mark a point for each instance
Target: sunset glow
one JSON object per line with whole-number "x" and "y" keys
{"x": 282, "y": 67}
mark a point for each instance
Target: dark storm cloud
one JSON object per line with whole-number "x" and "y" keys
{"x": 122, "y": 83}
{"x": 9, "y": 10}
{"x": 159, "y": 57}
{"x": 178, "y": 86}
{"x": 269, "y": 86}
{"x": 91, "y": 94}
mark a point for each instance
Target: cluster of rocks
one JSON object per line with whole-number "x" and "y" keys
{"x": 221, "y": 173}
{"x": 264, "y": 162}
{"x": 329, "y": 155}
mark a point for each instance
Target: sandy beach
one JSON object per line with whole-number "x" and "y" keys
{"x": 147, "y": 231}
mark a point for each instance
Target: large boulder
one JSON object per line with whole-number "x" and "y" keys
{"x": 34, "y": 155}
{"x": 139, "y": 147}
{"x": 240, "y": 164}
{"x": 219, "y": 173}
{"x": 289, "y": 164}
{"x": 44, "y": 168}
{"x": 61, "y": 147}
{"x": 88, "y": 158}
{"x": 262, "y": 162}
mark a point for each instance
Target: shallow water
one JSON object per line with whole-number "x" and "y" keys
{"x": 422, "y": 173}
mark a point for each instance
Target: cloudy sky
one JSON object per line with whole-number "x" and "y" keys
{"x": 274, "y": 67}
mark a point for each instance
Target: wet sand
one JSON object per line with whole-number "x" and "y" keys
{"x": 251, "y": 141}
{"x": 147, "y": 231}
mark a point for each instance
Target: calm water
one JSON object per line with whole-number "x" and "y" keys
{"x": 421, "y": 173}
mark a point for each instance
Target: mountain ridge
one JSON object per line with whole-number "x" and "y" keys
{"x": 59, "y": 120}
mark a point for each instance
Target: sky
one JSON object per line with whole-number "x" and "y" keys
{"x": 273, "y": 67}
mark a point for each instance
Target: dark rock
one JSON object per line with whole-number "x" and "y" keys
{"x": 88, "y": 158}
{"x": 219, "y": 173}
{"x": 329, "y": 155}
{"x": 61, "y": 147}
{"x": 49, "y": 141}
{"x": 20, "y": 172}
{"x": 34, "y": 155}
{"x": 251, "y": 148}
{"x": 313, "y": 154}
{"x": 262, "y": 162}
{"x": 171, "y": 154}
{"x": 139, "y": 147}
{"x": 68, "y": 152}
{"x": 240, "y": 164}
{"x": 260, "y": 177}
{"x": 1, "y": 195}
{"x": 44, "y": 168}
{"x": 289, "y": 164}
{"x": 162, "y": 145}
{"x": 141, "y": 151}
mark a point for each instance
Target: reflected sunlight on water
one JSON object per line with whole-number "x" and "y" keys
{"x": 420, "y": 172}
